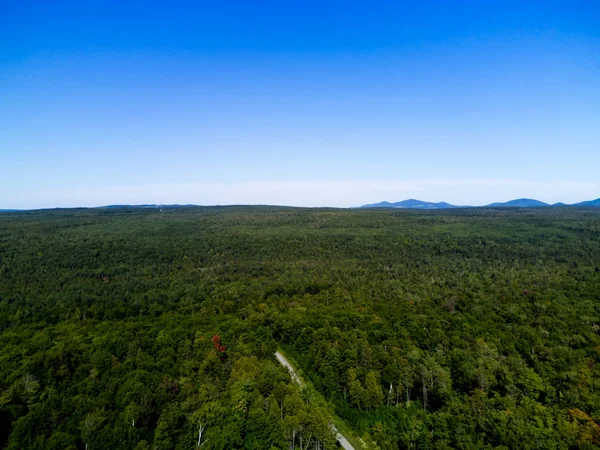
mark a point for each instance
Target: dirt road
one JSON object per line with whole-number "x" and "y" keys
{"x": 296, "y": 379}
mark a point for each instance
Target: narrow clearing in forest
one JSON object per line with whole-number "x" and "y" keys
{"x": 339, "y": 436}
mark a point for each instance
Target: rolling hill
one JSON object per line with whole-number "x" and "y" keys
{"x": 589, "y": 203}
{"x": 413, "y": 204}
{"x": 520, "y": 203}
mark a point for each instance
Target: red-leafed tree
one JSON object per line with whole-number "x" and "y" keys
{"x": 217, "y": 344}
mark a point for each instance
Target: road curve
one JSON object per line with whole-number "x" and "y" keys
{"x": 296, "y": 379}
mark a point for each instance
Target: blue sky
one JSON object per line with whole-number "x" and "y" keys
{"x": 299, "y": 103}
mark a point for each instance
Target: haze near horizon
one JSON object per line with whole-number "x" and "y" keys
{"x": 302, "y": 104}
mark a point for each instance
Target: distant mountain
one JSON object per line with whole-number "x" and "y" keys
{"x": 379, "y": 205}
{"x": 518, "y": 203}
{"x": 589, "y": 203}
{"x": 521, "y": 203}
{"x": 413, "y": 204}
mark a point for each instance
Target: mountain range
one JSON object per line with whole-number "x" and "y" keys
{"x": 411, "y": 203}
{"x": 405, "y": 204}
{"x": 517, "y": 203}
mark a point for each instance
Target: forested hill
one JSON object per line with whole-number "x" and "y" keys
{"x": 132, "y": 328}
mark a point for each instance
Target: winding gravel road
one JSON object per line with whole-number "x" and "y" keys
{"x": 296, "y": 379}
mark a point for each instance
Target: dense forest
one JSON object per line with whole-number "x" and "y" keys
{"x": 139, "y": 328}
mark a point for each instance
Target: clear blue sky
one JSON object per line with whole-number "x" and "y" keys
{"x": 302, "y": 103}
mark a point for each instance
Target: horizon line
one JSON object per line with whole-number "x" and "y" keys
{"x": 273, "y": 205}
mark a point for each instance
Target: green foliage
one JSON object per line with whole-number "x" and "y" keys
{"x": 432, "y": 329}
